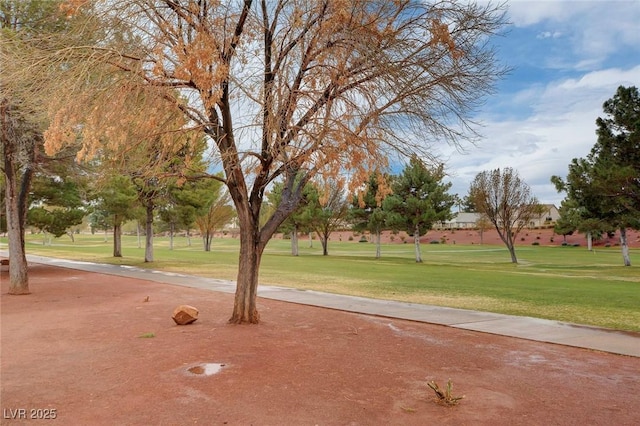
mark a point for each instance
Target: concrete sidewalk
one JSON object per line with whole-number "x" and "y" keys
{"x": 618, "y": 342}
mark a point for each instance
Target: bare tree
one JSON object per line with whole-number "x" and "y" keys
{"x": 288, "y": 89}
{"x": 483, "y": 223}
{"x": 327, "y": 209}
{"x": 217, "y": 215}
{"x": 507, "y": 203}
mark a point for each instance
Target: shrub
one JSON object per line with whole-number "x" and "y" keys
{"x": 535, "y": 243}
{"x": 434, "y": 242}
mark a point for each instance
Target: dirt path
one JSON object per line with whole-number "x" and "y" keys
{"x": 74, "y": 346}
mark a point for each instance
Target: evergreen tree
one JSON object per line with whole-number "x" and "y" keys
{"x": 606, "y": 184}
{"x": 117, "y": 198}
{"x": 419, "y": 200}
{"x": 26, "y": 30}
{"x": 569, "y": 220}
{"x": 57, "y": 203}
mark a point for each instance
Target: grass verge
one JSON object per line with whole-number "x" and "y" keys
{"x": 559, "y": 283}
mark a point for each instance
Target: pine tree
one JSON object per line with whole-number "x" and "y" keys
{"x": 419, "y": 200}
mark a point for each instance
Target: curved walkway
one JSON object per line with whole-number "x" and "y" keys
{"x": 600, "y": 339}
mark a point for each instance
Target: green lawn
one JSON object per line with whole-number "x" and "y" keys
{"x": 560, "y": 283}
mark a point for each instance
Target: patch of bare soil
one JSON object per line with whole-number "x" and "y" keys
{"x": 93, "y": 349}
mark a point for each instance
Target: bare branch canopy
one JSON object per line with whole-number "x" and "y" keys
{"x": 286, "y": 90}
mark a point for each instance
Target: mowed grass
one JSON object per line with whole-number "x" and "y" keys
{"x": 559, "y": 283}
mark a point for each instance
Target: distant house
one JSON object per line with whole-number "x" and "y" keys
{"x": 547, "y": 218}
{"x": 462, "y": 220}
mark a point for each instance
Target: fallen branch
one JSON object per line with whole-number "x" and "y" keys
{"x": 445, "y": 397}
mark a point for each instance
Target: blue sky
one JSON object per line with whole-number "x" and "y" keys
{"x": 568, "y": 57}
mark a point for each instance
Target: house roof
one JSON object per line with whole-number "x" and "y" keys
{"x": 463, "y": 217}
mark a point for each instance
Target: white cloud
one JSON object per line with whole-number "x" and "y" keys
{"x": 561, "y": 127}
{"x": 549, "y": 34}
{"x": 525, "y": 12}
{"x": 570, "y": 57}
{"x": 593, "y": 29}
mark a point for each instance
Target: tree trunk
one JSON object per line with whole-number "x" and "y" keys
{"x": 294, "y": 242}
{"x": 148, "y": 230}
{"x": 324, "y": 239}
{"x": 138, "y": 233}
{"x": 310, "y": 239}
{"x": 18, "y": 276}
{"x": 171, "y": 229}
{"x": 378, "y": 249}
{"x": 416, "y": 243}
{"x": 507, "y": 238}
{"x": 16, "y": 206}
{"x": 624, "y": 246}
{"x": 206, "y": 240}
{"x": 589, "y": 241}
{"x": 253, "y": 240}
{"x": 244, "y": 307}
{"x": 117, "y": 237}
{"x": 511, "y": 245}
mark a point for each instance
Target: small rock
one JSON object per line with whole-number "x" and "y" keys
{"x": 185, "y": 314}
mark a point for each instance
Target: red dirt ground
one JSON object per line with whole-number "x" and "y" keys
{"x": 74, "y": 346}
